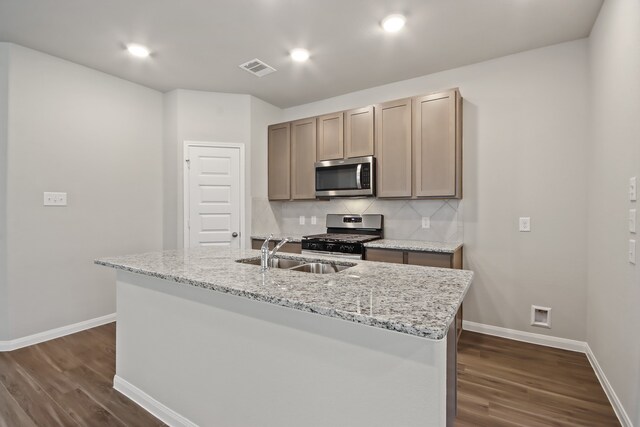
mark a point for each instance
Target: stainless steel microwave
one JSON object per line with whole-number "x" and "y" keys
{"x": 346, "y": 178}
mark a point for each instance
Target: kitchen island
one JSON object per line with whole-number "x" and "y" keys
{"x": 205, "y": 340}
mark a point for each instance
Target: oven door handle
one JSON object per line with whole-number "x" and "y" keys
{"x": 359, "y": 176}
{"x": 331, "y": 254}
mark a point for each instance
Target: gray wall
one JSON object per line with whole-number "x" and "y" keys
{"x": 98, "y": 138}
{"x": 525, "y": 145}
{"x": 191, "y": 115}
{"x": 4, "y": 105}
{"x": 614, "y": 283}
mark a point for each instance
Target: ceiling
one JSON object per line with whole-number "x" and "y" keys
{"x": 198, "y": 44}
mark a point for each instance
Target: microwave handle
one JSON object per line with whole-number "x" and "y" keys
{"x": 359, "y": 176}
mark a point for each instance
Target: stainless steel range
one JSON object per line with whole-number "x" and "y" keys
{"x": 345, "y": 236}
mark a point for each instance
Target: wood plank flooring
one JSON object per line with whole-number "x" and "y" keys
{"x": 509, "y": 383}
{"x": 68, "y": 382}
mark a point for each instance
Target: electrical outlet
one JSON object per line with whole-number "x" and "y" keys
{"x": 301, "y": 219}
{"x": 525, "y": 223}
{"x": 632, "y": 220}
{"x": 426, "y": 222}
{"x": 632, "y": 189}
{"x": 55, "y": 199}
{"x": 314, "y": 220}
{"x": 632, "y": 251}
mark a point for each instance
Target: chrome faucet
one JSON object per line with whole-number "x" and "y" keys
{"x": 266, "y": 256}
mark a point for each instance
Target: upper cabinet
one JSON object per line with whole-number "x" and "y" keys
{"x": 330, "y": 137}
{"x": 393, "y": 148}
{"x": 303, "y": 158}
{"x": 417, "y": 143}
{"x": 437, "y": 145}
{"x": 358, "y": 132}
{"x": 279, "y": 161}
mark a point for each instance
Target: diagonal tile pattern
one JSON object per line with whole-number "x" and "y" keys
{"x": 402, "y": 218}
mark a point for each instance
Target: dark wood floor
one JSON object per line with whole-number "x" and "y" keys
{"x": 68, "y": 382}
{"x": 508, "y": 383}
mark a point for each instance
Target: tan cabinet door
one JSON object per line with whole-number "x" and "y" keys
{"x": 393, "y": 148}
{"x": 384, "y": 255}
{"x": 437, "y": 145}
{"x": 331, "y": 136}
{"x": 303, "y": 157}
{"x": 358, "y": 132}
{"x": 279, "y": 161}
{"x": 429, "y": 259}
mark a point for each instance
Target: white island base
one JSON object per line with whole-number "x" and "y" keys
{"x": 193, "y": 356}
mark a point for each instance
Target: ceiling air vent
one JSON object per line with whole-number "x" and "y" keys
{"x": 257, "y": 67}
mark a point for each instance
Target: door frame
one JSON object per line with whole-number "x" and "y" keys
{"x": 185, "y": 186}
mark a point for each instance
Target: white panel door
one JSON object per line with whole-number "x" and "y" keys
{"x": 214, "y": 196}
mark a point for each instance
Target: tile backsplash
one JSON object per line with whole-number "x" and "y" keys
{"x": 402, "y": 218}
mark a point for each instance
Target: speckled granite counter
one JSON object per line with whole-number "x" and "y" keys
{"x": 293, "y": 239}
{"x": 415, "y": 300}
{"x": 414, "y": 245}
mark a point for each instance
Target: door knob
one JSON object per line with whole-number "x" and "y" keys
{"x": 234, "y": 234}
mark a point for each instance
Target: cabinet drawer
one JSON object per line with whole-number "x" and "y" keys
{"x": 429, "y": 259}
{"x": 385, "y": 255}
{"x": 293, "y": 248}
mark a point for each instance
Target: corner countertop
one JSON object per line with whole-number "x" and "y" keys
{"x": 414, "y": 245}
{"x": 415, "y": 300}
{"x": 292, "y": 239}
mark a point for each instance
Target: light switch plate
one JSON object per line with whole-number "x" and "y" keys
{"x": 632, "y": 188}
{"x": 314, "y": 220}
{"x": 301, "y": 219}
{"x": 632, "y": 220}
{"x": 525, "y": 223}
{"x": 55, "y": 199}
{"x": 426, "y": 222}
{"x": 632, "y": 251}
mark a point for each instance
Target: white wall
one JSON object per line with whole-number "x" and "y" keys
{"x": 98, "y": 138}
{"x": 614, "y": 284}
{"x": 199, "y": 116}
{"x": 525, "y": 133}
{"x": 4, "y": 105}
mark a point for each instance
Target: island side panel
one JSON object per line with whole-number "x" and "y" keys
{"x": 218, "y": 359}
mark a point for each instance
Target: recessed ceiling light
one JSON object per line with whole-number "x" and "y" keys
{"x": 138, "y": 50}
{"x": 299, "y": 55}
{"x": 393, "y": 23}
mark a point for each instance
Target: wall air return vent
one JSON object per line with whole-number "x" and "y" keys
{"x": 257, "y": 67}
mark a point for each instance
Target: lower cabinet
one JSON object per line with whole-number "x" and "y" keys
{"x": 427, "y": 259}
{"x": 290, "y": 247}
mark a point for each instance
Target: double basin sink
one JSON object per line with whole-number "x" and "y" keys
{"x": 303, "y": 266}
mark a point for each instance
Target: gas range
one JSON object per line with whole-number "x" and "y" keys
{"x": 345, "y": 236}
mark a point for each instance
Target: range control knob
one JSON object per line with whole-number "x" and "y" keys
{"x": 346, "y": 249}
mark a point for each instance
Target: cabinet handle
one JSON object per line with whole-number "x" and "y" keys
{"x": 234, "y": 234}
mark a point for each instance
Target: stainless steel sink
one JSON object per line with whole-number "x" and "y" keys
{"x": 274, "y": 262}
{"x": 320, "y": 268}
{"x": 302, "y": 266}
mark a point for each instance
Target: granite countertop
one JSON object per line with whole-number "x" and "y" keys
{"x": 414, "y": 245}
{"x": 415, "y": 300}
{"x": 293, "y": 239}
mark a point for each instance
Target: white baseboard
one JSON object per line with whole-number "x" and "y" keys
{"x": 55, "y": 333}
{"x": 530, "y": 337}
{"x": 608, "y": 389}
{"x": 151, "y": 405}
{"x": 562, "y": 343}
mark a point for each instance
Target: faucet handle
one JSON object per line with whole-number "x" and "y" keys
{"x": 265, "y": 245}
